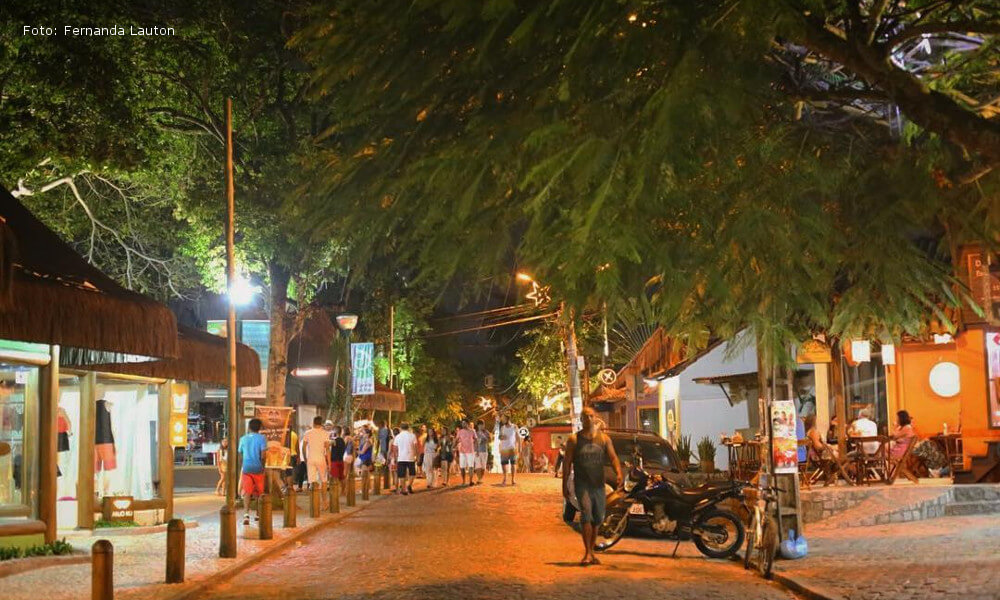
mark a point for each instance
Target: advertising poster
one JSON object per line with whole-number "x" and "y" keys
{"x": 274, "y": 427}
{"x": 786, "y": 443}
{"x": 178, "y": 415}
{"x": 993, "y": 375}
{"x": 362, "y": 369}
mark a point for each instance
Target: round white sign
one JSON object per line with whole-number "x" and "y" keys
{"x": 945, "y": 380}
{"x": 523, "y": 432}
{"x": 607, "y": 376}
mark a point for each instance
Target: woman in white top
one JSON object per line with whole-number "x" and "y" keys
{"x": 430, "y": 453}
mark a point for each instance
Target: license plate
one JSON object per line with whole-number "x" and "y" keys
{"x": 636, "y": 509}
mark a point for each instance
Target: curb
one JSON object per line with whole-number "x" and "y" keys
{"x": 194, "y": 588}
{"x": 811, "y": 592}
{"x": 33, "y": 563}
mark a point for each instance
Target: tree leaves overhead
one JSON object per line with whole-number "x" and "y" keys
{"x": 602, "y": 144}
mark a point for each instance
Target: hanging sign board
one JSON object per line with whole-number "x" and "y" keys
{"x": 786, "y": 443}
{"x": 362, "y": 369}
{"x": 812, "y": 352}
{"x": 274, "y": 427}
{"x": 178, "y": 423}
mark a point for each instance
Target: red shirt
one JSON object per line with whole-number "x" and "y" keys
{"x": 466, "y": 441}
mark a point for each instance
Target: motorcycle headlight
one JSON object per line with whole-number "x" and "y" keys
{"x": 629, "y": 484}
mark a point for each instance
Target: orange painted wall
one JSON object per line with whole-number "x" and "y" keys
{"x": 909, "y": 389}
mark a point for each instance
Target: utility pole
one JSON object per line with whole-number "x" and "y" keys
{"x": 227, "y": 516}
{"x": 575, "y": 393}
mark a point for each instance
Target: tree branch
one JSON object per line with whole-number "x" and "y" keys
{"x": 958, "y": 27}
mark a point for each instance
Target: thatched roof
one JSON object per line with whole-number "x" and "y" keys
{"x": 53, "y": 296}
{"x": 384, "y": 398}
{"x": 202, "y": 359}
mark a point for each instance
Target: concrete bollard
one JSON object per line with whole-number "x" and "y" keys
{"x": 266, "y": 520}
{"x": 335, "y": 496}
{"x": 366, "y": 480}
{"x": 352, "y": 494}
{"x": 314, "y": 500}
{"x": 227, "y": 535}
{"x": 175, "y": 551}
{"x": 102, "y": 571}
{"x": 290, "y": 508}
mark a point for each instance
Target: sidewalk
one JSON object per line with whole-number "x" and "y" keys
{"x": 140, "y": 560}
{"x": 955, "y": 557}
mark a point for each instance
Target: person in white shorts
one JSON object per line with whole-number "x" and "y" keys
{"x": 482, "y": 450}
{"x": 316, "y": 444}
{"x": 467, "y": 450}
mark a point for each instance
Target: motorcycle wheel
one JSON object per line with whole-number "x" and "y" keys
{"x": 611, "y": 530}
{"x": 768, "y": 547}
{"x": 722, "y": 523}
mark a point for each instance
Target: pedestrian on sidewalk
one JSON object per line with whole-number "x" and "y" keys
{"x": 221, "y": 460}
{"x": 316, "y": 444}
{"x": 447, "y": 443}
{"x": 393, "y": 460}
{"x": 406, "y": 455}
{"x": 252, "y": 447}
{"x": 430, "y": 454}
{"x": 508, "y": 448}
{"x": 482, "y": 450}
{"x": 587, "y": 451}
{"x": 421, "y": 434}
{"x": 294, "y": 458}
{"x": 349, "y": 452}
{"x": 466, "y": 438}
{"x": 366, "y": 450}
{"x": 337, "y": 449}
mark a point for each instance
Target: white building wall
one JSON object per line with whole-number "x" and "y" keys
{"x": 704, "y": 408}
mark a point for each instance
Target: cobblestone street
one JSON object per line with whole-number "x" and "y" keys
{"x": 483, "y": 542}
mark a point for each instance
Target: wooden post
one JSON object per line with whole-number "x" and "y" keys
{"x": 365, "y": 484}
{"x": 378, "y": 480}
{"x": 102, "y": 580}
{"x": 85, "y": 463}
{"x": 334, "y": 496}
{"x": 227, "y": 530}
{"x": 48, "y": 456}
{"x": 314, "y": 500}
{"x": 290, "y": 509}
{"x": 352, "y": 497}
{"x": 175, "y": 551}
{"x": 266, "y": 522}
{"x": 166, "y": 451}
{"x": 839, "y": 402}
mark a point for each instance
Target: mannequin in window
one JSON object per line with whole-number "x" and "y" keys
{"x": 104, "y": 446}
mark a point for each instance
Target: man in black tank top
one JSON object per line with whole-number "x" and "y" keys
{"x": 585, "y": 455}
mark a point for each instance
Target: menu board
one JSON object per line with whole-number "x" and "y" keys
{"x": 785, "y": 442}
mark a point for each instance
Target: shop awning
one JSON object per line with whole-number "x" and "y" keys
{"x": 203, "y": 358}
{"x": 384, "y": 398}
{"x": 608, "y": 394}
{"x": 49, "y": 294}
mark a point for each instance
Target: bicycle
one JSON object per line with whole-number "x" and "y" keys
{"x": 762, "y": 533}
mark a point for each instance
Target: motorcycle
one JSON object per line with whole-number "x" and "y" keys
{"x": 674, "y": 512}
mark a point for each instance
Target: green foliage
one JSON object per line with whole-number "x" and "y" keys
{"x": 101, "y": 523}
{"x": 684, "y": 448}
{"x": 56, "y": 548}
{"x": 706, "y": 448}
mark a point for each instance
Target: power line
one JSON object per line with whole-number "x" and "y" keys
{"x": 491, "y": 325}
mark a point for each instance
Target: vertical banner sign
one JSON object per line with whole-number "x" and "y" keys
{"x": 362, "y": 369}
{"x": 178, "y": 415}
{"x": 668, "y": 393}
{"x": 786, "y": 443}
{"x": 274, "y": 427}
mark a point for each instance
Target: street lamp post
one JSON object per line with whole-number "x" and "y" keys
{"x": 347, "y": 322}
{"x": 227, "y": 516}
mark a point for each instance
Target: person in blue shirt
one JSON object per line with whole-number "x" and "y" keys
{"x": 251, "y": 448}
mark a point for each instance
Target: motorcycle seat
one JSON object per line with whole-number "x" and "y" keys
{"x": 701, "y": 492}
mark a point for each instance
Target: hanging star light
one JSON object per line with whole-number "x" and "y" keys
{"x": 538, "y": 294}
{"x": 485, "y": 403}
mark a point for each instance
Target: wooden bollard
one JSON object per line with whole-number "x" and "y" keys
{"x": 366, "y": 481}
{"x": 351, "y": 491}
{"x": 266, "y": 521}
{"x": 314, "y": 500}
{"x": 175, "y": 551}
{"x": 290, "y": 508}
{"x": 378, "y": 480}
{"x": 334, "y": 496}
{"x": 102, "y": 571}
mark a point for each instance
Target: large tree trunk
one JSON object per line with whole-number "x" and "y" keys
{"x": 277, "y": 363}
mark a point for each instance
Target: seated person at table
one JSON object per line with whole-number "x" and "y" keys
{"x": 831, "y": 433}
{"x": 863, "y": 426}
{"x": 902, "y": 436}
{"x": 814, "y": 439}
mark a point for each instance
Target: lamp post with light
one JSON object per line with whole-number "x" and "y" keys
{"x": 347, "y": 322}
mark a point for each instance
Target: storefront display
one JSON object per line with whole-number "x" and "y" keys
{"x": 126, "y": 421}
{"x": 67, "y": 426}
{"x": 993, "y": 377}
{"x": 18, "y": 438}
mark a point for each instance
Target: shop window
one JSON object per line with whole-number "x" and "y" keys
{"x": 649, "y": 420}
{"x": 18, "y": 439}
{"x": 864, "y": 389}
{"x": 126, "y": 452}
{"x": 68, "y": 438}
{"x": 204, "y": 433}
{"x": 993, "y": 374}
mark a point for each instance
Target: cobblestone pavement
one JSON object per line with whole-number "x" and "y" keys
{"x": 140, "y": 559}
{"x": 954, "y": 557}
{"x": 483, "y": 542}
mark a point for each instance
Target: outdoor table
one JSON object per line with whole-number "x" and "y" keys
{"x": 744, "y": 459}
{"x": 951, "y": 445}
{"x": 865, "y": 464}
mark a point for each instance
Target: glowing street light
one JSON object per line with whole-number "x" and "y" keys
{"x": 242, "y": 291}
{"x": 347, "y": 322}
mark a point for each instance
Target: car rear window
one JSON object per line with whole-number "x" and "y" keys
{"x": 655, "y": 453}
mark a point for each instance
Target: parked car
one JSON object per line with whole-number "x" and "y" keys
{"x": 658, "y": 457}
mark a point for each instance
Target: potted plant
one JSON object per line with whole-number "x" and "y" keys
{"x": 706, "y": 452}
{"x": 684, "y": 451}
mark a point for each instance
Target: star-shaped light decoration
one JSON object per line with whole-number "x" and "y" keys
{"x": 485, "y": 403}
{"x": 539, "y": 294}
